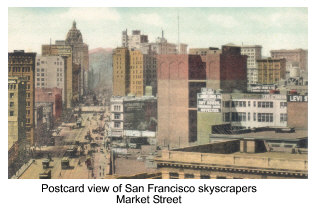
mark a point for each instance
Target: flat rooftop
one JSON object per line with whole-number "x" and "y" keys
{"x": 268, "y": 135}
{"x": 74, "y": 172}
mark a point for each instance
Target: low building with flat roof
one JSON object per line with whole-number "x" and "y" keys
{"x": 240, "y": 157}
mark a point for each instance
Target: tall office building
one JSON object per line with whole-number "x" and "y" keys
{"x": 50, "y": 73}
{"x": 133, "y": 71}
{"x": 271, "y": 71}
{"x": 80, "y": 56}
{"x": 254, "y": 52}
{"x": 22, "y": 64}
{"x": 120, "y": 76}
{"x": 142, "y": 73}
{"x": 64, "y": 51}
{"x": 16, "y": 109}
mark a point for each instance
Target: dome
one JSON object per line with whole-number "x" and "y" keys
{"x": 74, "y": 35}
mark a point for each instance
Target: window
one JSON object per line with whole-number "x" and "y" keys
{"x": 283, "y": 118}
{"x": 265, "y": 117}
{"x": 254, "y": 103}
{"x": 117, "y": 124}
{"x": 11, "y": 104}
{"x": 117, "y": 108}
{"x": 254, "y": 116}
{"x": 248, "y": 116}
{"x": 11, "y": 113}
{"x": 238, "y": 116}
{"x": 189, "y": 176}
{"x": 28, "y": 103}
{"x": 11, "y": 95}
{"x": 226, "y": 117}
{"x": 249, "y": 103}
{"x": 116, "y": 116}
{"x": 283, "y": 104}
{"x": 173, "y": 175}
{"x": 265, "y": 104}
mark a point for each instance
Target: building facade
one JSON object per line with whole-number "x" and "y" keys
{"x": 50, "y": 73}
{"x": 204, "y": 51}
{"x": 297, "y": 111}
{"x": 180, "y": 78}
{"x": 50, "y": 95}
{"x": 121, "y": 74}
{"x": 17, "y": 87}
{"x": 241, "y": 111}
{"x": 135, "y": 41}
{"x": 80, "y": 56}
{"x": 296, "y": 56}
{"x": 254, "y": 52}
{"x": 133, "y": 71}
{"x": 64, "y": 51}
{"x": 132, "y": 114}
{"x": 22, "y": 64}
{"x": 231, "y": 159}
{"x": 271, "y": 71}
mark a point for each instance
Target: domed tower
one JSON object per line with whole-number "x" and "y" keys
{"x": 74, "y": 35}
{"x": 80, "y": 56}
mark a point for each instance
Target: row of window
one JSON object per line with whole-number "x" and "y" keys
{"x": 261, "y": 104}
{"x": 19, "y": 69}
{"x": 260, "y": 117}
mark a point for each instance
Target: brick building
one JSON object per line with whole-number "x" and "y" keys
{"x": 298, "y": 56}
{"x": 22, "y": 64}
{"x": 50, "y": 95}
{"x": 181, "y": 77}
{"x": 271, "y": 71}
{"x": 297, "y": 111}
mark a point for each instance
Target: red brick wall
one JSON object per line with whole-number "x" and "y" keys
{"x": 43, "y": 95}
{"x": 297, "y": 114}
{"x": 172, "y": 99}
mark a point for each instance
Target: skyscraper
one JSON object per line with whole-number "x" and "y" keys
{"x": 22, "y": 64}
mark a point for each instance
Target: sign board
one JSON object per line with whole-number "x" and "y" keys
{"x": 262, "y": 88}
{"x": 297, "y": 98}
{"x": 209, "y": 101}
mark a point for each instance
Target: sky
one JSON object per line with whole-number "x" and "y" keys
{"x": 273, "y": 28}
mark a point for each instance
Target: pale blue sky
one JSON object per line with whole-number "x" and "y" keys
{"x": 273, "y": 28}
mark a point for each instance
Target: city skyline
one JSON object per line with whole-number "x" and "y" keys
{"x": 273, "y": 28}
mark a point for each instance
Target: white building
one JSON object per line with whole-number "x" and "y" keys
{"x": 253, "y": 52}
{"x": 137, "y": 41}
{"x": 133, "y": 116}
{"x": 50, "y": 72}
{"x": 251, "y": 111}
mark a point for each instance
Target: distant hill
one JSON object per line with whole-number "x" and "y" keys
{"x": 100, "y": 62}
{"x": 100, "y": 50}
